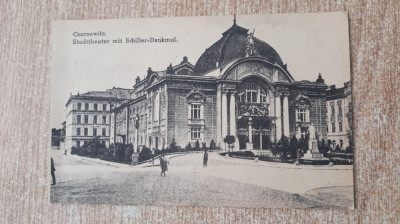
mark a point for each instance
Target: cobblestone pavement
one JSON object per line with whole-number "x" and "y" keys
{"x": 225, "y": 182}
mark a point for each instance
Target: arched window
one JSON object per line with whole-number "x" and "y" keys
{"x": 252, "y": 93}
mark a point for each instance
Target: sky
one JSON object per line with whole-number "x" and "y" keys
{"x": 310, "y": 44}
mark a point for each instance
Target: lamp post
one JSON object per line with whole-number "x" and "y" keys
{"x": 135, "y": 156}
{"x": 110, "y": 91}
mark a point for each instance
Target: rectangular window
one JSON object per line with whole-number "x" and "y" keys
{"x": 103, "y": 132}
{"x": 94, "y": 119}
{"x": 195, "y": 111}
{"x": 333, "y": 112}
{"x": 195, "y": 133}
{"x": 95, "y": 107}
{"x": 86, "y": 106}
{"x": 79, "y": 106}
{"x": 104, "y": 107}
{"x": 94, "y": 131}
{"x": 85, "y": 132}
{"x": 340, "y": 126}
{"x": 303, "y": 132}
{"x": 302, "y": 115}
{"x": 333, "y": 127}
{"x": 263, "y": 98}
{"x": 78, "y": 144}
{"x": 78, "y": 119}
{"x": 104, "y": 119}
{"x": 86, "y": 119}
{"x": 78, "y": 131}
{"x": 340, "y": 112}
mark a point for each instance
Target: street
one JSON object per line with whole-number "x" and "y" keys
{"x": 225, "y": 182}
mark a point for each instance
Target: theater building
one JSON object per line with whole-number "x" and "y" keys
{"x": 239, "y": 86}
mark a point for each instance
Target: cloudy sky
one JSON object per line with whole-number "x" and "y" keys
{"x": 309, "y": 44}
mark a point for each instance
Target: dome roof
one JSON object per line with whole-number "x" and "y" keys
{"x": 232, "y": 46}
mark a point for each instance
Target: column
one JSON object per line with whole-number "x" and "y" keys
{"x": 232, "y": 119}
{"x": 286, "y": 130}
{"x": 278, "y": 122}
{"x": 249, "y": 145}
{"x": 219, "y": 120}
{"x": 224, "y": 116}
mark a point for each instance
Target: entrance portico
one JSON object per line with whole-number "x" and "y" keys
{"x": 254, "y": 113}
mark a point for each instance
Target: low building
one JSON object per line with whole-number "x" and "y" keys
{"x": 339, "y": 115}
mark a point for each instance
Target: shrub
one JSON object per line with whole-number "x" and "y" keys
{"x": 128, "y": 152}
{"x": 173, "y": 146}
{"x": 213, "y": 146}
{"x": 188, "y": 147}
{"x": 229, "y": 139}
{"x": 337, "y": 149}
{"x": 293, "y": 147}
{"x": 349, "y": 149}
{"x": 82, "y": 151}
{"x": 282, "y": 147}
{"x": 74, "y": 150}
{"x": 145, "y": 154}
{"x": 197, "y": 145}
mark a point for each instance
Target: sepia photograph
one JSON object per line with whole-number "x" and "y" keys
{"x": 250, "y": 111}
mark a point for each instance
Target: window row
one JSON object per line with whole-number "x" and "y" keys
{"x": 96, "y": 106}
{"x": 95, "y": 119}
{"x": 94, "y": 132}
{"x": 333, "y": 127}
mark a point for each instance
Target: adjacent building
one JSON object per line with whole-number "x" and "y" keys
{"x": 339, "y": 115}
{"x": 88, "y": 116}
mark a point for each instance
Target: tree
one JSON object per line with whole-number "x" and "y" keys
{"x": 197, "y": 145}
{"x": 212, "y": 145}
{"x": 229, "y": 139}
{"x": 282, "y": 147}
{"x": 172, "y": 146}
{"x": 293, "y": 147}
{"x": 188, "y": 147}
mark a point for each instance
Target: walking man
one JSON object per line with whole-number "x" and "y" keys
{"x": 53, "y": 176}
{"x": 163, "y": 165}
{"x": 205, "y": 158}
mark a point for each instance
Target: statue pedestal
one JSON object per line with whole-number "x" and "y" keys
{"x": 249, "y": 146}
{"x": 312, "y": 152}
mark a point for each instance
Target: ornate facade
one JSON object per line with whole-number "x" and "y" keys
{"x": 239, "y": 86}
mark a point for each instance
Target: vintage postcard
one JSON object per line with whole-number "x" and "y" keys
{"x": 230, "y": 111}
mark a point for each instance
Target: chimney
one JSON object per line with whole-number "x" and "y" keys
{"x": 149, "y": 71}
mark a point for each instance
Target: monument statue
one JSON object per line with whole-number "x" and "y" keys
{"x": 311, "y": 129}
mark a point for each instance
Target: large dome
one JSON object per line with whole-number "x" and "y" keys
{"x": 232, "y": 46}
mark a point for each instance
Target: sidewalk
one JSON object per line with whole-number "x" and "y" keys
{"x": 99, "y": 161}
{"x": 251, "y": 162}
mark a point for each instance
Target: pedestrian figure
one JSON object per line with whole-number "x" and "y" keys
{"x": 53, "y": 176}
{"x": 205, "y": 158}
{"x": 152, "y": 156}
{"x": 163, "y": 165}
